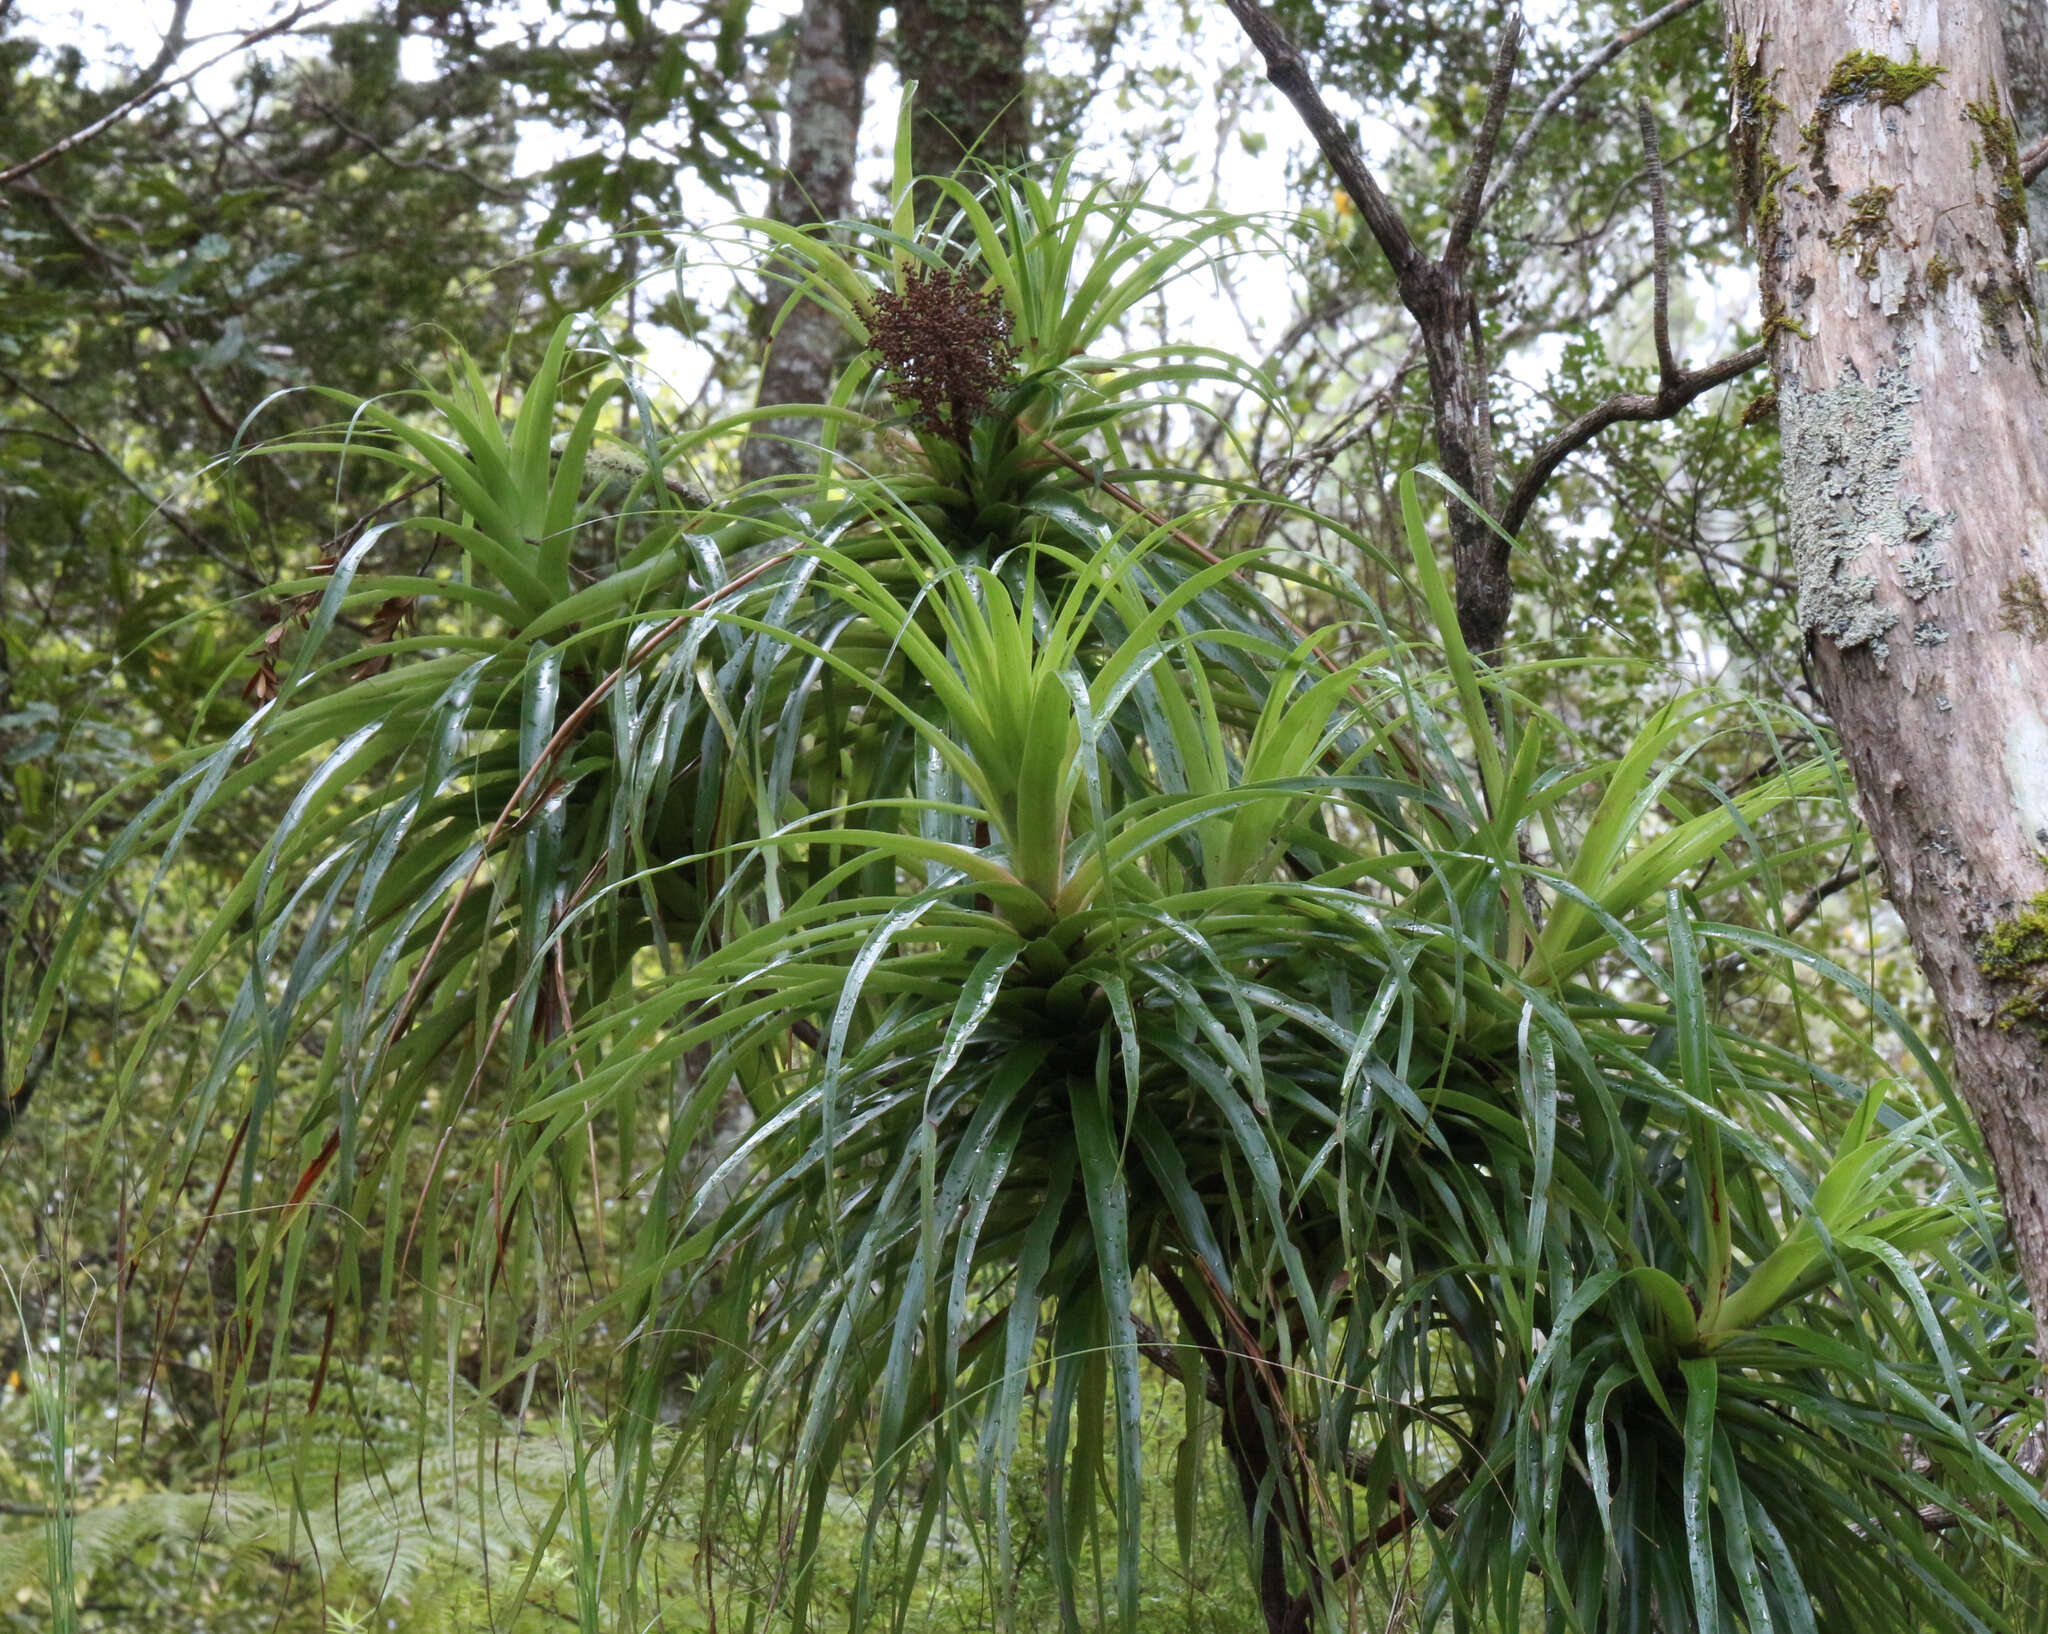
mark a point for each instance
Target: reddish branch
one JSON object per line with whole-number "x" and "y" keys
{"x": 1403, "y": 1519}
{"x": 1238, "y": 1379}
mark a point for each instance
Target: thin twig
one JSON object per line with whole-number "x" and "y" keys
{"x": 1827, "y": 888}
{"x": 162, "y": 507}
{"x": 1443, "y": 1491}
{"x": 1806, "y": 907}
{"x": 1623, "y": 189}
{"x": 1735, "y": 564}
{"x": 71, "y": 230}
{"x": 1153, "y": 1347}
{"x": 425, "y": 162}
{"x": 1570, "y": 86}
{"x": 1354, "y": 425}
{"x": 169, "y": 1317}
{"x": 151, "y": 91}
{"x": 1132, "y": 503}
{"x": 1668, "y": 371}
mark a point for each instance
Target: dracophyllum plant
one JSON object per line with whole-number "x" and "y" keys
{"x": 933, "y": 958}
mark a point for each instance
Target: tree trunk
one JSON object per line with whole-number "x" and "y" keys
{"x": 1878, "y": 154}
{"x": 835, "y": 47}
{"x": 2024, "y": 26}
{"x": 1236, "y": 1379}
{"x": 967, "y": 57}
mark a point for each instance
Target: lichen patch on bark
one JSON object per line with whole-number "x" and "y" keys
{"x": 1851, "y": 441}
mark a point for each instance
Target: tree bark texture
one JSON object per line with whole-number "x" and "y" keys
{"x": 835, "y": 47}
{"x": 2024, "y": 26}
{"x": 967, "y": 57}
{"x": 1878, "y": 152}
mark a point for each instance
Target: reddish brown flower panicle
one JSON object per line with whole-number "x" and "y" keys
{"x": 946, "y": 346}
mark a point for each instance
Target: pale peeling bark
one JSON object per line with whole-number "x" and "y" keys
{"x": 835, "y": 47}
{"x": 1898, "y": 304}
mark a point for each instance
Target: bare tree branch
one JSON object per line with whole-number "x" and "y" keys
{"x": 1436, "y": 295}
{"x": 1289, "y": 74}
{"x": 1668, "y": 371}
{"x": 173, "y": 46}
{"x": 1473, "y": 203}
{"x": 1676, "y": 386}
{"x": 1570, "y": 87}
{"x": 1625, "y": 406}
{"x": 153, "y": 88}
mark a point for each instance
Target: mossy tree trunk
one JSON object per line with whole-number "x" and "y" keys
{"x": 967, "y": 57}
{"x": 1878, "y": 151}
{"x": 835, "y": 48}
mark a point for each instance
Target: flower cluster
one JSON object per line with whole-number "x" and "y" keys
{"x": 947, "y": 348}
